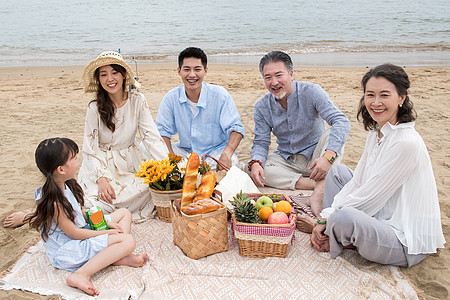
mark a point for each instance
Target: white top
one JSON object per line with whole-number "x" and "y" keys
{"x": 394, "y": 183}
{"x": 192, "y": 107}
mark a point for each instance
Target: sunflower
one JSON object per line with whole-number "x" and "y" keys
{"x": 163, "y": 175}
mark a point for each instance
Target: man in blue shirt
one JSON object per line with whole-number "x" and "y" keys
{"x": 296, "y": 113}
{"x": 203, "y": 115}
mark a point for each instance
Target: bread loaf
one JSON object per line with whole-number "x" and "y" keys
{"x": 190, "y": 180}
{"x": 206, "y": 187}
{"x": 201, "y": 207}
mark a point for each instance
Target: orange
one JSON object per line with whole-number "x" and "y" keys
{"x": 283, "y": 206}
{"x": 265, "y": 212}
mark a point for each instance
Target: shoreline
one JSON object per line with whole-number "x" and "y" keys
{"x": 322, "y": 59}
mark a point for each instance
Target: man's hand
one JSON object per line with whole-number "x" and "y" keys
{"x": 320, "y": 167}
{"x": 256, "y": 174}
{"x": 233, "y": 141}
{"x": 105, "y": 191}
{"x": 225, "y": 158}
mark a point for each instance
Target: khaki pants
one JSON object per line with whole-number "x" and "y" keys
{"x": 284, "y": 174}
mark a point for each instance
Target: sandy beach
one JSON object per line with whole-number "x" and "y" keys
{"x": 42, "y": 102}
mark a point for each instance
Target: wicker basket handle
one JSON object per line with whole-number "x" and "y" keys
{"x": 216, "y": 160}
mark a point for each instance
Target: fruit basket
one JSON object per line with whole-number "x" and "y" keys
{"x": 264, "y": 240}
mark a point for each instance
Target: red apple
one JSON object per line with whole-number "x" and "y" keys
{"x": 278, "y": 217}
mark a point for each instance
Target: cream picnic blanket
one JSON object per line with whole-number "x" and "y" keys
{"x": 304, "y": 274}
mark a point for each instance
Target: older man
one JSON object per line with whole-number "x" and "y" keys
{"x": 296, "y": 112}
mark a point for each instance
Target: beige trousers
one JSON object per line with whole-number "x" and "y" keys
{"x": 284, "y": 174}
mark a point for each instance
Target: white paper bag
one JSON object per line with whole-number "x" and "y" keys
{"x": 235, "y": 181}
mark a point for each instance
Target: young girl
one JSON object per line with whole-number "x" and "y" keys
{"x": 61, "y": 220}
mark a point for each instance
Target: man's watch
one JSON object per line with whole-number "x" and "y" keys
{"x": 330, "y": 157}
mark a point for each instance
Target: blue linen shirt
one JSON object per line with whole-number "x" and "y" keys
{"x": 209, "y": 129}
{"x": 299, "y": 128}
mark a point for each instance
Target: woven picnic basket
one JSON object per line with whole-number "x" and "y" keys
{"x": 200, "y": 235}
{"x": 162, "y": 201}
{"x": 264, "y": 240}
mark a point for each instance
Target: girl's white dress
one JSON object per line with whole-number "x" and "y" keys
{"x": 65, "y": 252}
{"x": 117, "y": 156}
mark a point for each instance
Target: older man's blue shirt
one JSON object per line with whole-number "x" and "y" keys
{"x": 299, "y": 128}
{"x": 209, "y": 129}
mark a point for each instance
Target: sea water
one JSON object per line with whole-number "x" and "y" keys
{"x": 54, "y": 32}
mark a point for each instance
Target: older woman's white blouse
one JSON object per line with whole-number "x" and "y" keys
{"x": 394, "y": 183}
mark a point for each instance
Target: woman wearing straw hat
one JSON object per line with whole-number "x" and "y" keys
{"x": 111, "y": 153}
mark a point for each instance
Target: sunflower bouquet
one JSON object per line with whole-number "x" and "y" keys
{"x": 166, "y": 174}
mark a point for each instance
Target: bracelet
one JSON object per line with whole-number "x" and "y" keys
{"x": 250, "y": 164}
{"x": 321, "y": 222}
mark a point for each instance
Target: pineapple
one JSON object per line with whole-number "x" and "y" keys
{"x": 244, "y": 210}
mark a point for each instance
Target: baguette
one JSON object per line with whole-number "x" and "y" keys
{"x": 201, "y": 207}
{"x": 206, "y": 187}
{"x": 190, "y": 180}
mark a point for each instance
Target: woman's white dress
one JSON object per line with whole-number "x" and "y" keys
{"x": 117, "y": 156}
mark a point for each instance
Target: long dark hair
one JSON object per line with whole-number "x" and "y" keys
{"x": 104, "y": 103}
{"x": 399, "y": 78}
{"x": 49, "y": 155}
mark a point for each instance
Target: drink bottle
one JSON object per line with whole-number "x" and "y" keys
{"x": 96, "y": 218}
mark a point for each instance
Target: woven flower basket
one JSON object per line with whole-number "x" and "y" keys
{"x": 200, "y": 235}
{"x": 162, "y": 201}
{"x": 264, "y": 240}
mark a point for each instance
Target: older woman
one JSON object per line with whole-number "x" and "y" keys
{"x": 387, "y": 209}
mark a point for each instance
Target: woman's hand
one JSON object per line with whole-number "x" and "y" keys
{"x": 105, "y": 191}
{"x": 319, "y": 240}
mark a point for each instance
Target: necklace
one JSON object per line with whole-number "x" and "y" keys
{"x": 379, "y": 140}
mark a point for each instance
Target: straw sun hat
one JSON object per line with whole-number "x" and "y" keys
{"x": 106, "y": 58}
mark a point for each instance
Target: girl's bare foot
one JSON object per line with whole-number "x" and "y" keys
{"x": 305, "y": 223}
{"x": 132, "y": 260}
{"x": 83, "y": 283}
{"x": 14, "y": 220}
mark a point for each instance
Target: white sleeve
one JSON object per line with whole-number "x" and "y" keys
{"x": 151, "y": 138}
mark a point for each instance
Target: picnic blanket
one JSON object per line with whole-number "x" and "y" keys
{"x": 304, "y": 274}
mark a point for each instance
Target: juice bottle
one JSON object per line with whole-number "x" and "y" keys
{"x": 96, "y": 218}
